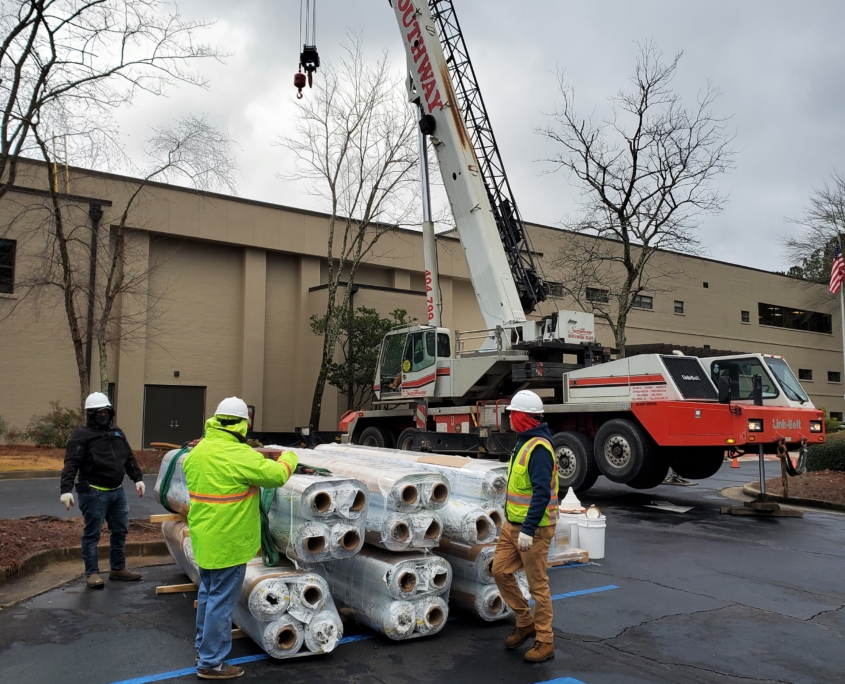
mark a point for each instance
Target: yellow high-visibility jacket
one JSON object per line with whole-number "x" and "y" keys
{"x": 520, "y": 490}
{"x": 223, "y": 475}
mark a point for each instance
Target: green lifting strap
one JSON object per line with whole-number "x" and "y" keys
{"x": 168, "y": 477}
{"x": 269, "y": 552}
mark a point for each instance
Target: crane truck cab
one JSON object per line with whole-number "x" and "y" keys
{"x": 779, "y": 384}
{"x": 411, "y": 360}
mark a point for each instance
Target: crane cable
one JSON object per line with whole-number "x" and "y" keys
{"x": 309, "y": 58}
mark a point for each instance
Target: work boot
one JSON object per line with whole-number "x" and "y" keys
{"x": 125, "y": 575}
{"x": 519, "y": 636}
{"x": 540, "y": 652}
{"x": 225, "y": 671}
{"x": 94, "y": 582}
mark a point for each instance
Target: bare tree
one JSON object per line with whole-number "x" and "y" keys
{"x": 646, "y": 176}
{"x": 85, "y": 58}
{"x": 190, "y": 151}
{"x": 810, "y": 249}
{"x": 355, "y": 144}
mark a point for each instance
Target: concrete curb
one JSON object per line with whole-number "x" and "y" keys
{"x": 49, "y": 474}
{"x": 41, "y": 559}
{"x": 751, "y": 490}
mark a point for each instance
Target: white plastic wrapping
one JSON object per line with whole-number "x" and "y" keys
{"x": 472, "y": 479}
{"x": 426, "y": 529}
{"x": 400, "y": 595}
{"x": 482, "y": 600}
{"x": 178, "y": 499}
{"x": 282, "y": 609}
{"x": 468, "y": 522}
{"x": 470, "y": 562}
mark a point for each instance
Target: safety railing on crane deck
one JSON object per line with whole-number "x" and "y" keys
{"x": 462, "y": 338}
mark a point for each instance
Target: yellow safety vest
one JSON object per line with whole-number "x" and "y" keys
{"x": 520, "y": 490}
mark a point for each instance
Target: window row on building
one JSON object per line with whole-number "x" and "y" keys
{"x": 807, "y": 374}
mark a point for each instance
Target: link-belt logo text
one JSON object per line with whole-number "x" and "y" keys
{"x": 785, "y": 424}
{"x": 690, "y": 377}
{"x": 420, "y": 55}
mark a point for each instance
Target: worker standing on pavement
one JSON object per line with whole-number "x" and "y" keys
{"x": 531, "y": 512}
{"x": 99, "y": 453}
{"x": 223, "y": 475}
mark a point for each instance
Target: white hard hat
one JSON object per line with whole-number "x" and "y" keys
{"x": 526, "y": 401}
{"x": 97, "y": 400}
{"x": 234, "y": 407}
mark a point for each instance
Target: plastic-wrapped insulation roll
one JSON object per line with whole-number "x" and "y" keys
{"x": 347, "y": 538}
{"x": 472, "y": 479}
{"x": 471, "y": 562}
{"x": 307, "y": 543}
{"x": 497, "y": 516}
{"x": 522, "y": 581}
{"x": 265, "y": 592}
{"x": 324, "y": 632}
{"x": 313, "y": 497}
{"x": 309, "y": 595}
{"x": 178, "y": 499}
{"x": 466, "y": 521}
{"x": 391, "y": 531}
{"x": 393, "y": 487}
{"x": 281, "y": 638}
{"x": 482, "y": 600}
{"x": 178, "y": 542}
{"x": 426, "y": 529}
{"x": 431, "y": 614}
{"x": 400, "y": 576}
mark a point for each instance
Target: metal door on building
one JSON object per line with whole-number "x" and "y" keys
{"x": 173, "y": 413}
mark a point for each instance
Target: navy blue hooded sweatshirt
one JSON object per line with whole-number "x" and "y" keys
{"x": 540, "y": 468}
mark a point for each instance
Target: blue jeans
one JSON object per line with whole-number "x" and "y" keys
{"x": 218, "y": 594}
{"x": 112, "y": 507}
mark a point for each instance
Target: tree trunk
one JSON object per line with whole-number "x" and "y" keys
{"x": 619, "y": 334}
{"x": 319, "y": 388}
{"x": 104, "y": 366}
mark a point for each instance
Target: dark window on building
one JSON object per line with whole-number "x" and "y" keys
{"x": 707, "y": 346}
{"x": 643, "y": 302}
{"x": 554, "y": 289}
{"x": 795, "y": 319}
{"x": 746, "y": 316}
{"x": 597, "y": 295}
{"x": 836, "y": 415}
{"x": 679, "y": 307}
{"x": 834, "y": 376}
{"x": 805, "y": 373}
{"x": 7, "y": 266}
{"x": 706, "y": 284}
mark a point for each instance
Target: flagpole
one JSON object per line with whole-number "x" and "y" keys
{"x": 842, "y": 314}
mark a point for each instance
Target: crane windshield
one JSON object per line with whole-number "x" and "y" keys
{"x": 787, "y": 380}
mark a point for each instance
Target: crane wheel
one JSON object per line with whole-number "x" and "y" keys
{"x": 375, "y": 436}
{"x": 405, "y": 442}
{"x": 623, "y": 450}
{"x": 576, "y": 466}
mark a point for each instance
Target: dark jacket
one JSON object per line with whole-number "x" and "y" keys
{"x": 101, "y": 456}
{"x": 540, "y": 469}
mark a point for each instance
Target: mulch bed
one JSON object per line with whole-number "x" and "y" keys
{"x": 21, "y": 537}
{"x": 37, "y": 458}
{"x": 823, "y": 485}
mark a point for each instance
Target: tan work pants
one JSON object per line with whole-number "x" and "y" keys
{"x": 508, "y": 560}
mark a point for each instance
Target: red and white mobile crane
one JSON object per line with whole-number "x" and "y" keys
{"x": 630, "y": 419}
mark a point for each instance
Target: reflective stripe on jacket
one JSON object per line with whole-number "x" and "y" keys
{"x": 520, "y": 490}
{"x": 224, "y": 475}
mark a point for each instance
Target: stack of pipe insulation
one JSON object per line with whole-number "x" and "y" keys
{"x": 406, "y": 510}
{"x": 473, "y": 586}
{"x": 311, "y": 519}
{"x": 314, "y": 518}
{"x": 402, "y": 596}
{"x": 472, "y": 480}
{"x": 282, "y": 609}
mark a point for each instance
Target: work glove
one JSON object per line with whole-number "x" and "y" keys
{"x": 140, "y": 487}
{"x": 524, "y": 542}
{"x": 67, "y": 500}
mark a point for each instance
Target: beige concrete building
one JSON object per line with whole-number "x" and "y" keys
{"x": 226, "y": 288}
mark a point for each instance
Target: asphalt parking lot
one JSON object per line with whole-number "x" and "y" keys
{"x": 691, "y": 597}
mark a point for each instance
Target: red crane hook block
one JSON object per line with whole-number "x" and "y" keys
{"x": 299, "y": 83}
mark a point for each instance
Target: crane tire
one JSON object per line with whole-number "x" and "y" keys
{"x": 576, "y": 466}
{"x": 376, "y": 436}
{"x": 405, "y": 442}
{"x": 623, "y": 449}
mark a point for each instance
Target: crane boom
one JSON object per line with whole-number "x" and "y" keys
{"x": 512, "y": 231}
{"x": 491, "y": 234}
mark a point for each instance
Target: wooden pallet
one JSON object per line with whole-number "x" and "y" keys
{"x": 167, "y": 517}
{"x": 176, "y": 588}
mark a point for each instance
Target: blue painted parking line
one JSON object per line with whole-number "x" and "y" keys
{"x": 582, "y": 592}
{"x": 562, "y": 680}
{"x": 570, "y": 565}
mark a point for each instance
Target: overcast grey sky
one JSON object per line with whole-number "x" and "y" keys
{"x": 779, "y": 64}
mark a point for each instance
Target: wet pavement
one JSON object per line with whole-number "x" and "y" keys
{"x": 692, "y": 597}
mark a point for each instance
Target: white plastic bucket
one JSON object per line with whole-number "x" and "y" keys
{"x": 572, "y": 519}
{"x": 591, "y": 536}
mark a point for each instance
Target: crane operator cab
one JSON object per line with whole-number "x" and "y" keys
{"x": 410, "y": 361}
{"x": 779, "y": 384}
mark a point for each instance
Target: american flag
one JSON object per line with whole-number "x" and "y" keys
{"x": 837, "y": 270}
